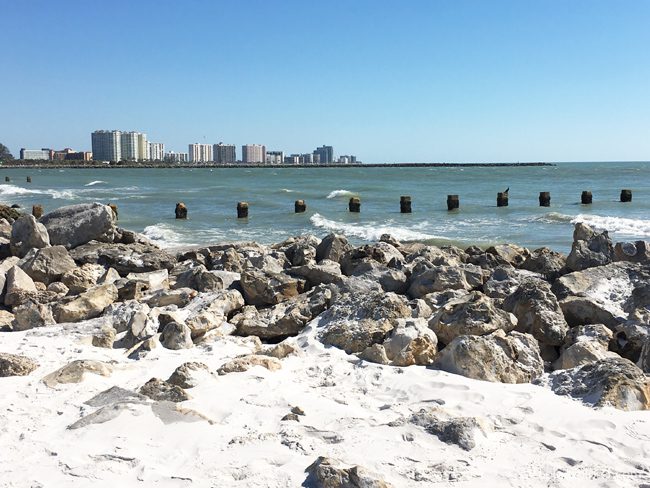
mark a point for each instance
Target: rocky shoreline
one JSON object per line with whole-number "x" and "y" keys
{"x": 576, "y": 325}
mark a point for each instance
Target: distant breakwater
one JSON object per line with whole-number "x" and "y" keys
{"x": 97, "y": 165}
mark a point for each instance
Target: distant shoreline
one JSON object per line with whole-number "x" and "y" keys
{"x": 267, "y": 166}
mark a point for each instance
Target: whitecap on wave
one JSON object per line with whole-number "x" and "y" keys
{"x": 619, "y": 225}
{"x": 96, "y": 182}
{"x": 340, "y": 193}
{"x": 13, "y": 190}
{"x": 371, "y": 232}
{"x": 164, "y": 235}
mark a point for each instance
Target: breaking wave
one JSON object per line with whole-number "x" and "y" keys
{"x": 13, "y": 190}
{"x": 619, "y": 225}
{"x": 340, "y": 193}
{"x": 371, "y": 232}
{"x": 96, "y": 182}
{"x": 164, "y": 236}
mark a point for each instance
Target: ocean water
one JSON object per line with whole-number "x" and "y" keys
{"x": 146, "y": 199}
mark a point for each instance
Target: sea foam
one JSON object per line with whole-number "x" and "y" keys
{"x": 618, "y": 225}
{"x": 340, "y": 193}
{"x": 96, "y": 182}
{"x": 370, "y": 231}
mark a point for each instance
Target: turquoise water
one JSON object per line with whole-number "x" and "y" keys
{"x": 146, "y": 199}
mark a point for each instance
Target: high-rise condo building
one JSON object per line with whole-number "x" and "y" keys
{"x": 143, "y": 148}
{"x": 156, "y": 151}
{"x": 200, "y": 153}
{"x": 253, "y": 153}
{"x": 224, "y": 153}
{"x": 326, "y": 154}
{"x": 176, "y": 157}
{"x": 130, "y": 146}
{"x": 107, "y": 145}
{"x": 274, "y": 157}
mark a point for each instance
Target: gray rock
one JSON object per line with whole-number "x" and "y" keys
{"x": 113, "y": 395}
{"x": 460, "y": 431}
{"x": 471, "y": 314}
{"x": 210, "y": 311}
{"x": 614, "y": 382}
{"x": 410, "y": 342}
{"x": 26, "y": 234}
{"x": 30, "y": 315}
{"x": 15, "y": 365}
{"x": 287, "y": 318}
{"x": 75, "y": 225}
{"x": 593, "y": 332}
{"x": 497, "y": 357}
{"x": 509, "y": 253}
{"x": 120, "y": 315}
{"x": 261, "y": 289}
{"x": 644, "y": 357}
{"x": 379, "y": 253}
{"x": 160, "y": 390}
{"x": 83, "y": 278}
{"x": 20, "y": 287}
{"x": 546, "y": 262}
{"x": 329, "y": 473}
{"x": 125, "y": 259}
{"x": 538, "y": 312}
{"x": 176, "y": 336}
{"x": 154, "y": 280}
{"x": 636, "y": 252}
{"x": 187, "y": 375}
{"x": 75, "y": 372}
{"x": 629, "y": 339}
{"x": 589, "y": 248}
{"x": 86, "y": 306}
{"x": 585, "y": 311}
{"x": 441, "y": 278}
{"x": 325, "y": 272}
{"x": 332, "y": 248}
{"x": 47, "y": 265}
{"x": 200, "y": 279}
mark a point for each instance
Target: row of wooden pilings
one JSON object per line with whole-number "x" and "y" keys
{"x": 453, "y": 203}
{"x": 28, "y": 179}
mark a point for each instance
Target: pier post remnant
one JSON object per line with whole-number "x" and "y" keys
{"x": 7, "y": 179}
{"x": 181, "y": 211}
{"x": 453, "y": 202}
{"x": 37, "y": 211}
{"x": 355, "y": 204}
{"x": 242, "y": 210}
{"x": 586, "y": 198}
{"x": 29, "y": 179}
{"x": 502, "y": 199}
{"x": 626, "y": 195}
{"x": 544, "y": 198}
{"x": 300, "y": 206}
{"x": 405, "y": 204}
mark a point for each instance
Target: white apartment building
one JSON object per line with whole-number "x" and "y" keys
{"x": 200, "y": 153}
{"x": 275, "y": 157}
{"x": 253, "y": 153}
{"x": 156, "y": 151}
{"x": 176, "y": 157}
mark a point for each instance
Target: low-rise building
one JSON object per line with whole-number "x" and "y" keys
{"x": 274, "y": 157}
{"x": 174, "y": 157}
{"x": 40, "y": 154}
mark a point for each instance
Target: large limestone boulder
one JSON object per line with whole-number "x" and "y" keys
{"x": 287, "y": 318}
{"x": 210, "y": 311}
{"x": 589, "y": 248}
{"x": 440, "y": 278}
{"x": 88, "y": 305}
{"x": 20, "y": 287}
{"x": 75, "y": 225}
{"x": 471, "y": 314}
{"x": 546, "y": 262}
{"x": 582, "y": 352}
{"x": 82, "y": 278}
{"x": 189, "y": 375}
{"x": 614, "y": 382}
{"x": 461, "y": 431}
{"x": 261, "y": 289}
{"x": 162, "y": 391}
{"x": 509, "y": 253}
{"x": 200, "y": 279}
{"x": 585, "y": 310}
{"x": 411, "y": 342}
{"x": 380, "y": 253}
{"x": 332, "y": 248}
{"x": 330, "y": 473}
{"x": 176, "y": 336}
{"x": 325, "y": 272}
{"x": 538, "y": 312}
{"x": 47, "y": 265}
{"x": 512, "y": 358}
{"x": 15, "y": 365}
{"x": 26, "y": 234}
{"x": 356, "y": 321}
{"x": 124, "y": 258}
{"x": 31, "y": 314}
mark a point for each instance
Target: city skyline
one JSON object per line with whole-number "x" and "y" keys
{"x": 418, "y": 81}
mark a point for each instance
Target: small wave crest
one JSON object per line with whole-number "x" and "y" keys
{"x": 554, "y": 217}
{"x": 371, "y": 232}
{"x": 13, "y": 191}
{"x": 618, "y": 225}
{"x": 96, "y": 182}
{"x": 164, "y": 235}
{"x": 286, "y": 190}
{"x": 340, "y": 193}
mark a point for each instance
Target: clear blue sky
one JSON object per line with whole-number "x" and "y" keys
{"x": 419, "y": 80}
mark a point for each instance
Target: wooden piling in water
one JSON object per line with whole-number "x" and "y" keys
{"x": 586, "y": 198}
{"x": 37, "y": 211}
{"x": 453, "y": 202}
{"x": 544, "y": 198}
{"x": 181, "y": 211}
{"x": 502, "y": 199}
{"x": 626, "y": 195}
{"x": 300, "y": 206}
{"x": 355, "y": 205}
{"x": 405, "y": 204}
{"x": 242, "y": 210}
{"x": 7, "y": 179}
{"x": 29, "y": 179}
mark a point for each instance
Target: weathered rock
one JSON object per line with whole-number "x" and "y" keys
{"x": 162, "y": 391}
{"x": 355, "y": 322}
{"x": 589, "y": 248}
{"x": 262, "y": 289}
{"x": 75, "y": 372}
{"x": 380, "y": 253}
{"x": 188, "y": 375}
{"x": 332, "y": 248}
{"x": 5, "y": 266}
{"x": 281, "y": 350}
{"x": 20, "y": 287}
{"x": 15, "y": 365}
{"x": 244, "y": 363}
{"x": 300, "y": 250}
{"x": 375, "y": 353}
{"x": 142, "y": 348}
{"x": 210, "y": 311}
{"x": 636, "y": 252}
{"x": 546, "y": 262}
{"x": 471, "y": 314}
{"x": 509, "y": 253}
{"x": 30, "y": 315}
{"x": 75, "y": 225}
{"x": 154, "y": 280}
{"x": 388, "y": 278}
{"x": 27, "y": 234}
{"x": 538, "y": 312}
{"x": 59, "y": 288}
{"x": 176, "y": 336}
{"x": 329, "y": 473}
{"x": 284, "y": 319}
{"x": 179, "y": 297}
{"x": 629, "y": 339}
{"x": 411, "y": 342}
{"x": 83, "y": 278}
{"x": 582, "y": 352}
{"x": 200, "y": 279}
{"x": 512, "y": 358}
{"x": 644, "y": 357}
{"x": 47, "y": 265}
{"x": 88, "y": 305}
{"x": 460, "y": 431}
{"x": 6, "y": 319}
{"x": 325, "y": 272}
{"x": 614, "y": 382}
{"x": 433, "y": 255}
{"x": 584, "y": 311}
{"x": 120, "y": 315}
{"x": 125, "y": 259}
{"x": 104, "y": 338}
{"x": 598, "y": 333}
{"x": 114, "y": 395}
{"x": 441, "y": 278}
